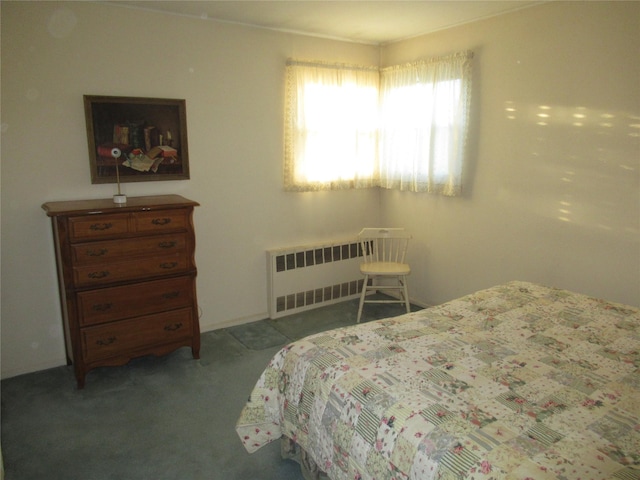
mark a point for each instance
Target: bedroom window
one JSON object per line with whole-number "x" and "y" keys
{"x": 401, "y": 127}
{"x": 330, "y": 126}
{"x": 424, "y": 119}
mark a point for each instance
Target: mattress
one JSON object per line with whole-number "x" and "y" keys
{"x": 516, "y": 381}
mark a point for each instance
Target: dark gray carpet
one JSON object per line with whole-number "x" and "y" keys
{"x": 156, "y": 418}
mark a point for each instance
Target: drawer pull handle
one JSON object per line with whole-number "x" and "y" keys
{"x": 97, "y": 253}
{"x": 102, "y": 307}
{"x": 161, "y": 221}
{"x": 170, "y": 295}
{"x": 98, "y": 275}
{"x": 167, "y": 244}
{"x": 105, "y": 342}
{"x": 169, "y": 265}
{"x": 173, "y": 327}
{"x": 101, "y": 226}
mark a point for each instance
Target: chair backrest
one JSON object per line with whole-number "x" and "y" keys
{"x": 384, "y": 244}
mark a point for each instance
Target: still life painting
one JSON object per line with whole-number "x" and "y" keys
{"x": 149, "y": 136}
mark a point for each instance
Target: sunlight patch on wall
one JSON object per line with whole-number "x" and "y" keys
{"x": 583, "y": 157}
{"x": 578, "y": 116}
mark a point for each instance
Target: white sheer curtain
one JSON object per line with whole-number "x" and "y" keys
{"x": 331, "y": 122}
{"x": 424, "y": 118}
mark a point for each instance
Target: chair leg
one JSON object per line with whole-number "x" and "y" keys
{"x": 406, "y": 294}
{"x": 362, "y": 295}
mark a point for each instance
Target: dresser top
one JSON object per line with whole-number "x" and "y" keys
{"x": 106, "y": 205}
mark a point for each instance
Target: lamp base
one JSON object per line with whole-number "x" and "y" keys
{"x": 119, "y": 198}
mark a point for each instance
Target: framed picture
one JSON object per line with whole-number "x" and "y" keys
{"x": 133, "y": 139}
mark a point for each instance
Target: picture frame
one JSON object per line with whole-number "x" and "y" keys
{"x": 149, "y": 133}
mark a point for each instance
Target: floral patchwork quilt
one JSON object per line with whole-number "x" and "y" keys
{"x": 519, "y": 381}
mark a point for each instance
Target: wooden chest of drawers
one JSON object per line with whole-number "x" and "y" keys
{"x": 127, "y": 278}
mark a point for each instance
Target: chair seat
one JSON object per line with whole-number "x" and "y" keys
{"x": 385, "y": 268}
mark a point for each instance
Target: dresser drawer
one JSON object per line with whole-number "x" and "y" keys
{"x": 161, "y": 221}
{"x": 103, "y": 274}
{"x": 98, "y": 226}
{"x": 125, "y": 337}
{"x": 117, "y": 303}
{"x": 115, "y": 250}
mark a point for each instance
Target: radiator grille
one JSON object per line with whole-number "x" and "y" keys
{"x": 305, "y": 277}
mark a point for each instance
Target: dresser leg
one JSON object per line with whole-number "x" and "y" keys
{"x": 195, "y": 347}
{"x": 195, "y": 343}
{"x": 80, "y": 373}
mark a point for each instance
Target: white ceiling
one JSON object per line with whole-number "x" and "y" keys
{"x": 374, "y": 22}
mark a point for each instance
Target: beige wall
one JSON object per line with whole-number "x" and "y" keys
{"x": 557, "y": 203}
{"x": 569, "y": 57}
{"x": 232, "y": 80}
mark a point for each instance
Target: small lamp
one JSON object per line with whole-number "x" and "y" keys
{"x": 119, "y": 198}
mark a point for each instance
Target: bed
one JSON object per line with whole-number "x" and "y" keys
{"x": 518, "y": 381}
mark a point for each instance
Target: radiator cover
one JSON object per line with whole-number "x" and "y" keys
{"x": 310, "y": 276}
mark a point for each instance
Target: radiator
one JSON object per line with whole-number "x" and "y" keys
{"x": 305, "y": 277}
